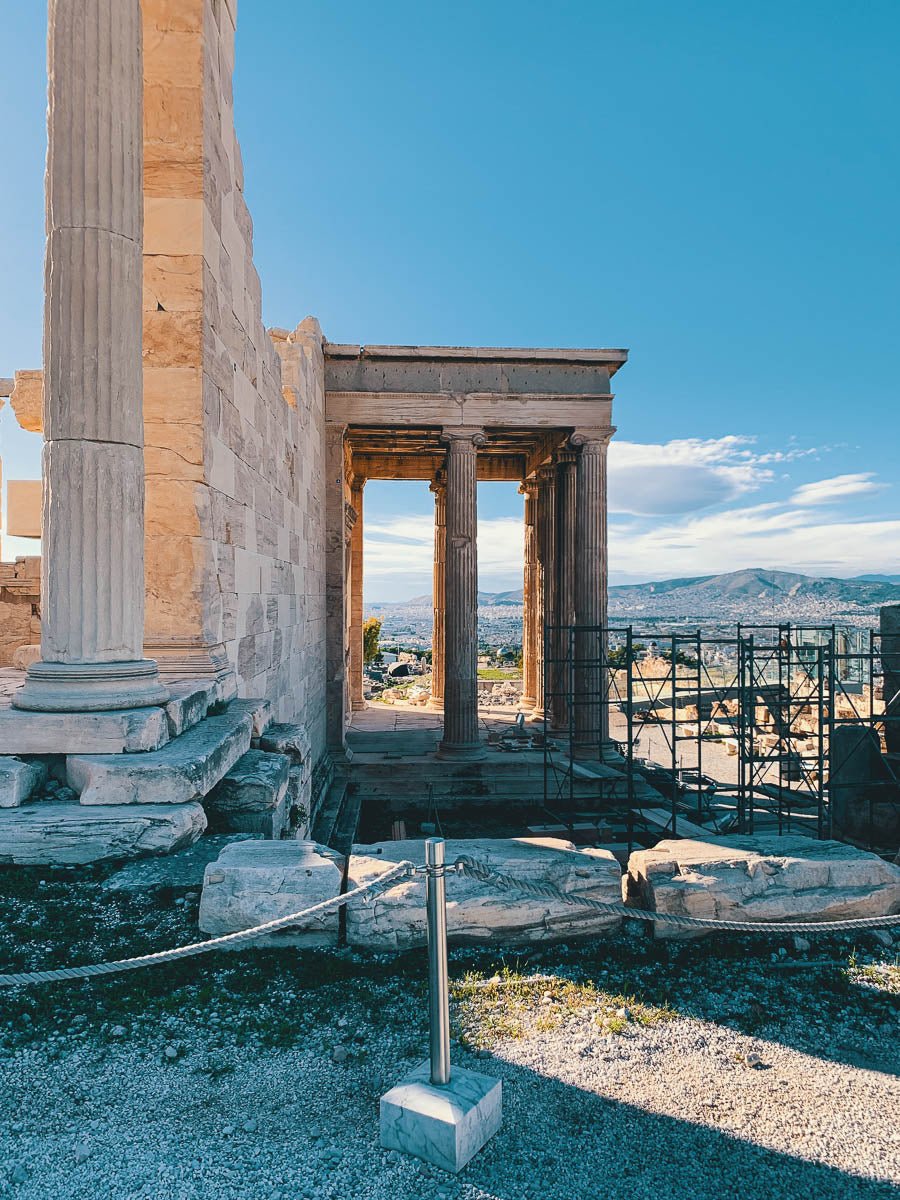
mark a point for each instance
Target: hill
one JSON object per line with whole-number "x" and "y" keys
{"x": 755, "y": 591}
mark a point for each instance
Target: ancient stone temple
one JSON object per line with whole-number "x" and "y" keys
{"x": 199, "y": 613}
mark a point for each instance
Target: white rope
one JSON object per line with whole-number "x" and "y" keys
{"x": 481, "y": 871}
{"x": 466, "y": 866}
{"x": 92, "y": 970}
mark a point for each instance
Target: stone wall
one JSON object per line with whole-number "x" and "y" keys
{"x": 20, "y": 597}
{"x": 234, "y": 418}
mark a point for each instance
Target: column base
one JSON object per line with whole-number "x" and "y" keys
{"x": 435, "y": 703}
{"x": 90, "y": 687}
{"x": 528, "y": 702}
{"x": 359, "y": 705}
{"x": 462, "y": 751}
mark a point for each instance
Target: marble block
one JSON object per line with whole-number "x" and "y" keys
{"x": 445, "y": 1126}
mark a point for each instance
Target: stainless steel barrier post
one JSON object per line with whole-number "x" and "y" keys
{"x": 438, "y": 986}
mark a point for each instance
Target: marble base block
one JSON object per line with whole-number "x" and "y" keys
{"x": 445, "y": 1126}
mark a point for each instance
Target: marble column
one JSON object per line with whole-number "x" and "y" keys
{"x": 92, "y": 585}
{"x": 439, "y": 487}
{"x": 335, "y": 587}
{"x": 591, "y": 717}
{"x": 566, "y": 553}
{"x": 461, "y": 738}
{"x": 530, "y": 599}
{"x": 546, "y": 580}
{"x": 357, "y": 700}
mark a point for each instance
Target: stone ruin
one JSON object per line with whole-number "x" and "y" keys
{"x": 193, "y": 630}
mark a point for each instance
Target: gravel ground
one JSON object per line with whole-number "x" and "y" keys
{"x": 754, "y": 1068}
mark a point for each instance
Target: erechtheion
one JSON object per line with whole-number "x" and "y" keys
{"x": 201, "y": 569}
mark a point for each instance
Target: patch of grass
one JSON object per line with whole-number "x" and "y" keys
{"x": 514, "y": 1005}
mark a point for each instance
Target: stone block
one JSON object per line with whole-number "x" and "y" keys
{"x": 767, "y": 877}
{"x": 189, "y": 702}
{"x": 18, "y": 780}
{"x": 446, "y": 1126}
{"x": 188, "y": 768}
{"x": 128, "y": 731}
{"x": 23, "y": 511}
{"x": 71, "y": 834}
{"x": 292, "y": 740}
{"x": 27, "y": 400}
{"x": 257, "y": 881}
{"x": 476, "y": 912}
{"x": 252, "y": 797}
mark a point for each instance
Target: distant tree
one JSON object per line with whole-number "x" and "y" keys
{"x": 371, "y": 638}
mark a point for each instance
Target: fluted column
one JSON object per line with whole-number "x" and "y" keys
{"x": 529, "y": 599}
{"x": 546, "y": 577}
{"x": 591, "y": 716}
{"x": 566, "y": 553}
{"x": 461, "y": 738}
{"x": 92, "y": 584}
{"x": 357, "y": 700}
{"x": 439, "y": 487}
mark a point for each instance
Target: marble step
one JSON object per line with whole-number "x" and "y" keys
{"x": 185, "y": 769}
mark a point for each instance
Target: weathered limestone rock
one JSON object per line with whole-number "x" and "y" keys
{"x": 127, "y": 731}
{"x": 188, "y": 768}
{"x": 18, "y": 780}
{"x": 189, "y": 702}
{"x": 292, "y": 740}
{"x": 70, "y": 834}
{"x": 27, "y": 400}
{"x": 762, "y": 878}
{"x": 252, "y": 797}
{"x": 253, "y": 882}
{"x": 476, "y": 912}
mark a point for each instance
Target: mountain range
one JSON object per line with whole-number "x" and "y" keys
{"x": 753, "y": 589}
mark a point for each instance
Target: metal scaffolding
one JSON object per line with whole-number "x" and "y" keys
{"x": 779, "y": 727}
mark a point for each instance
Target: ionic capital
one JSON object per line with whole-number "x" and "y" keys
{"x": 463, "y": 437}
{"x": 592, "y": 439}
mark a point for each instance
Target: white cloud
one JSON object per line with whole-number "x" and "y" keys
{"x": 828, "y": 491}
{"x": 684, "y": 475}
{"x": 766, "y": 535}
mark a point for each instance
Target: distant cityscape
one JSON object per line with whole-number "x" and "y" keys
{"x": 714, "y": 603}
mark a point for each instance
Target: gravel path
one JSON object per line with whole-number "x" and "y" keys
{"x": 174, "y": 1106}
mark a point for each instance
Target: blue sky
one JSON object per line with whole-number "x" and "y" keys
{"x": 713, "y": 186}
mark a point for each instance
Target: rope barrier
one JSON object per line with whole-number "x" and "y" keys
{"x": 546, "y": 891}
{"x": 466, "y": 866}
{"x": 92, "y": 970}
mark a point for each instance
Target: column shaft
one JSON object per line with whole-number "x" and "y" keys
{"x": 92, "y": 584}
{"x": 461, "y": 737}
{"x": 439, "y": 593}
{"x": 566, "y": 553}
{"x": 591, "y": 715}
{"x": 357, "y": 700}
{"x": 529, "y": 601}
{"x": 546, "y": 581}
{"x": 335, "y": 588}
